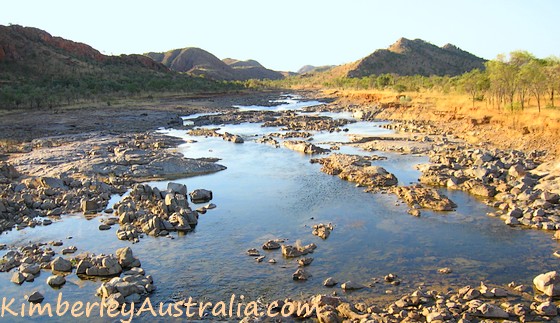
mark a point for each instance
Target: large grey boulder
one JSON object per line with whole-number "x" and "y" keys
{"x": 62, "y": 265}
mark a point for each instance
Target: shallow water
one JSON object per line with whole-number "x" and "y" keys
{"x": 269, "y": 193}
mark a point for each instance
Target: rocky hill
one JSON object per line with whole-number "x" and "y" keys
{"x": 197, "y": 61}
{"x": 417, "y": 57}
{"x": 38, "y": 70}
{"x": 38, "y": 53}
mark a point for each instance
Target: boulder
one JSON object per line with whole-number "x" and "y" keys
{"x": 32, "y": 268}
{"x": 548, "y": 283}
{"x": 300, "y": 274}
{"x": 35, "y": 297}
{"x": 18, "y": 278}
{"x": 61, "y": 265}
{"x": 56, "y": 281}
{"x": 305, "y": 261}
{"x": 350, "y": 285}
{"x": 547, "y": 309}
{"x": 271, "y": 245}
{"x": 89, "y": 206}
{"x": 491, "y": 311}
{"x": 330, "y": 282}
{"x": 177, "y": 188}
{"x": 126, "y": 258}
{"x": 201, "y": 196}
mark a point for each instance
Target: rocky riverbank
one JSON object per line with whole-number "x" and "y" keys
{"x": 72, "y": 173}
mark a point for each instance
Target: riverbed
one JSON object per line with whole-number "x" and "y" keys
{"x": 275, "y": 193}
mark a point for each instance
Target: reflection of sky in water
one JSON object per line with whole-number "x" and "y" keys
{"x": 269, "y": 193}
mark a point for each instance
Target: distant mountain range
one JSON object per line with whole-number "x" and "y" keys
{"x": 197, "y": 61}
{"x": 27, "y": 52}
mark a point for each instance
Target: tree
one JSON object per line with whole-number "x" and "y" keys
{"x": 474, "y": 83}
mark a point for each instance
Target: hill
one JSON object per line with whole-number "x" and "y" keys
{"x": 39, "y": 53}
{"x": 313, "y": 69}
{"x": 417, "y": 57}
{"x": 196, "y": 61}
{"x": 38, "y": 69}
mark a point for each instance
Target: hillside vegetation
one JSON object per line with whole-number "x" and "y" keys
{"x": 39, "y": 70}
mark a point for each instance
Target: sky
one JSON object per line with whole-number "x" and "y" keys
{"x": 288, "y": 34}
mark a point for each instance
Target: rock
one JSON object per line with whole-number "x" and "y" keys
{"x": 61, "y": 265}
{"x": 322, "y": 230}
{"x": 517, "y": 171}
{"x": 292, "y": 252}
{"x": 32, "y": 268}
{"x": 425, "y": 197}
{"x": 330, "y": 282}
{"x": 104, "y": 227}
{"x": 327, "y": 314}
{"x": 300, "y": 274}
{"x": 69, "y": 250}
{"x": 253, "y": 252}
{"x": 350, "y": 285}
{"x": 549, "y": 197}
{"x": 56, "y": 281}
{"x": 548, "y": 283}
{"x": 435, "y": 317}
{"x": 126, "y": 258}
{"x": 491, "y": 311}
{"x": 53, "y": 183}
{"x": 201, "y": 196}
{"x": 346, "y": 310}
{"x": 445, "y": 270}
{"x": 271, "y": 245}
{"x": 305, "y": 261}
{"x": 35, "y": 297}
{"x": 177, "y": 188}
{"x": 89, "y": 206}
{"x": 18, "y": 278}
{"x": 547, "y": 309}
{"x": 304, "y": 147}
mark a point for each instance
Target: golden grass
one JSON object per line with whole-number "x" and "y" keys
{"x": 524, "y": 129}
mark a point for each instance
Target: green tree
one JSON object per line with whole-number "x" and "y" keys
{"x": 474, "y": 83}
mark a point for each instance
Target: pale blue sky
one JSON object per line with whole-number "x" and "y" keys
{"x": 287, "y": 34}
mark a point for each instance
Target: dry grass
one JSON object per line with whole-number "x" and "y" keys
{"x": 526, "y": 129}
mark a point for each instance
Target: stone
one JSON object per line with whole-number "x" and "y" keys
{"x": 445, "y": 270}
{"x": 61, "y": 265}
{"x": 271, "y": 245}
{"x": 200, "y": 196}
{"x": 322, "y": 230}
{"x": 89, "y": 206}
{"x": 126, "y": 258}
{"x": 547, "y": 308}
{"x": 548, "y": 283}
{"x": 330, "y": 282}
{"x": 350, "y": 285}
{"x": 305, "y": 261}
{"x": 56, "y": 281}
{"x": 300, "y": 274}
{"x": 35, "y": 297}
{"x": 104, "y": 227}
{"x": 17, "y": 278}
{"x": 177, "y": 188}
{"x": 32, "y": 269}
{"x": 253, "y": 252}
{"x": 68, "y": 250}
{"x": 491, "y": 311}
